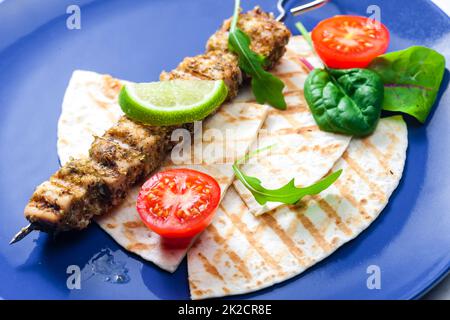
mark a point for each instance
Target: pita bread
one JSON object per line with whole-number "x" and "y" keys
{"x": 301, "y": 150}
{"x": 90, "y": 107}
{"x": 240, "y": 253}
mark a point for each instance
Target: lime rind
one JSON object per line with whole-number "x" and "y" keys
{"x": 172, "y": 102}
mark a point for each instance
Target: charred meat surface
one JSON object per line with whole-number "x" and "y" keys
{"x": 213, "y": 65}
{"x": 268, "y": 36}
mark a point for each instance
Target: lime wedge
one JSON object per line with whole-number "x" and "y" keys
{"x": 171, "y": 102}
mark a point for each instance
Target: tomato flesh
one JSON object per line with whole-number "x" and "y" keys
{"x": 349, "y": 41}
{"x": 178, "y": 203}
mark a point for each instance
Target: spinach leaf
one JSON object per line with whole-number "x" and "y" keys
{"x": 411, "y": 78}
{"x": 266, "y": 87}
{"x": 288, "y": 194}
{"x": 345, "y": 101}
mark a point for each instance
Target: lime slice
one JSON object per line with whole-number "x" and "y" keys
{"x": 171, "y": 102}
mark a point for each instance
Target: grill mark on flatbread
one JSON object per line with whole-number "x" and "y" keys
{"x": 273, "y": 170}
{"x": 382, "y": 160}
{"x": 361, "y": 173}
{"x": 294, "y": 93}
{"x": 220, "y": 240}
{"x": 212, "y": 270}
{"x": 249, "y": 236}
{"x": 332, "y": 213}
{"x": 200, "y": 292}
{"x": 293, "y": 225}
{"x": 284, "y": 237}
{"x": 237, "y": 261}
{"x": 129, "y": 234}
{"x": 139, "y": 246}
{"x": 294, "y": 123}
{"x": 235, "y": 118}
{"x": 355, "y": 203}
{"x": 391, "y": 147}
{"x": 290, "y": 85}
{"x": 111, "y": 87}
{"x": 292, "y": 109}
{"x": 104, "y": 105}
{"x": 295, "y": 130}
{"x": 194, "y": 289}
{"x": 134, "y": 224}
{"x": 315, "y": 233}
{"x": 244, "y": 196}
{"x": 283, "y": 75}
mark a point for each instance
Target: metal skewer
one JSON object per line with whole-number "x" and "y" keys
{"x": 23, "y": 233}
{"x": 299, "y": 9}
{"x": 308, "y": 6}
{"x": 280, "y": 7}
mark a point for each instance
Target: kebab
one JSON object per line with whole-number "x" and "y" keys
{"x": 127, "y": 152}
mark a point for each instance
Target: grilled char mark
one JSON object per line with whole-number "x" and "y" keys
{"x": 68, "y": 200}
{"x": 213, "y": 65}
{"x": 151, "y": 142}
{"x": 268, "y": 36}
{"x": 120, "y": 157}
{"x": 96, "y": 199}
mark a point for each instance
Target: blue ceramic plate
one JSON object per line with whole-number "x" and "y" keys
{"x": 135, "y": 40}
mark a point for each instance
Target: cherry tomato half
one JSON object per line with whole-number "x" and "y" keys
{"x": 178, "y": 203}
{"x": 349, "y": 41}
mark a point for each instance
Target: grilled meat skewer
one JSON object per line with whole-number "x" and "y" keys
{"x": 129, "y": 151}
{"x": 212, "y": 65}
{"x": 268, "y": 36}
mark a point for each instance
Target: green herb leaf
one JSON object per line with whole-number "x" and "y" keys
{"x": 301, "y": 28}
{"x": 288, "y": 194}
{"x": 266, "y": 87}
{"x": 411, "y": 78}
{"x": 345, "y": 101}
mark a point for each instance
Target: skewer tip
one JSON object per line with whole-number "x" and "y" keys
{"x": 23, "y": 233}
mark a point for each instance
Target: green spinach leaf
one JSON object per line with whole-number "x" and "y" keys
{"x": 411, "y": 78}
{"x": 266, "y": 87}
{"x": 288, "y": 194}
{"x": 345, "y": 101}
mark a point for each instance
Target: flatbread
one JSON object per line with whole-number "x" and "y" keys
{"x": 300, "y": 150}
{"x": 240, "y": 253}
{"x": 90, "y": 107}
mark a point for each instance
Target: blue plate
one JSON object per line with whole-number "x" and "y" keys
{"x": 135, "y": 40}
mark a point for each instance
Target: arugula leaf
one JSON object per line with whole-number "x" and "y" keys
{"x": 266, "y": 87}
{"x": 288, "y": 194}
{"x": 411, "y": 78}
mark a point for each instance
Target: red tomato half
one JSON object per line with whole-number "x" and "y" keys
{"x": 349, "y": 41}
{"x": 178, "y": 203}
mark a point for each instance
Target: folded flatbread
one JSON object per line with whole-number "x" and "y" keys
{"x": 240, "y": 252}
{"x": 300, "y": 150}
{"x": 90, "y": 107}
